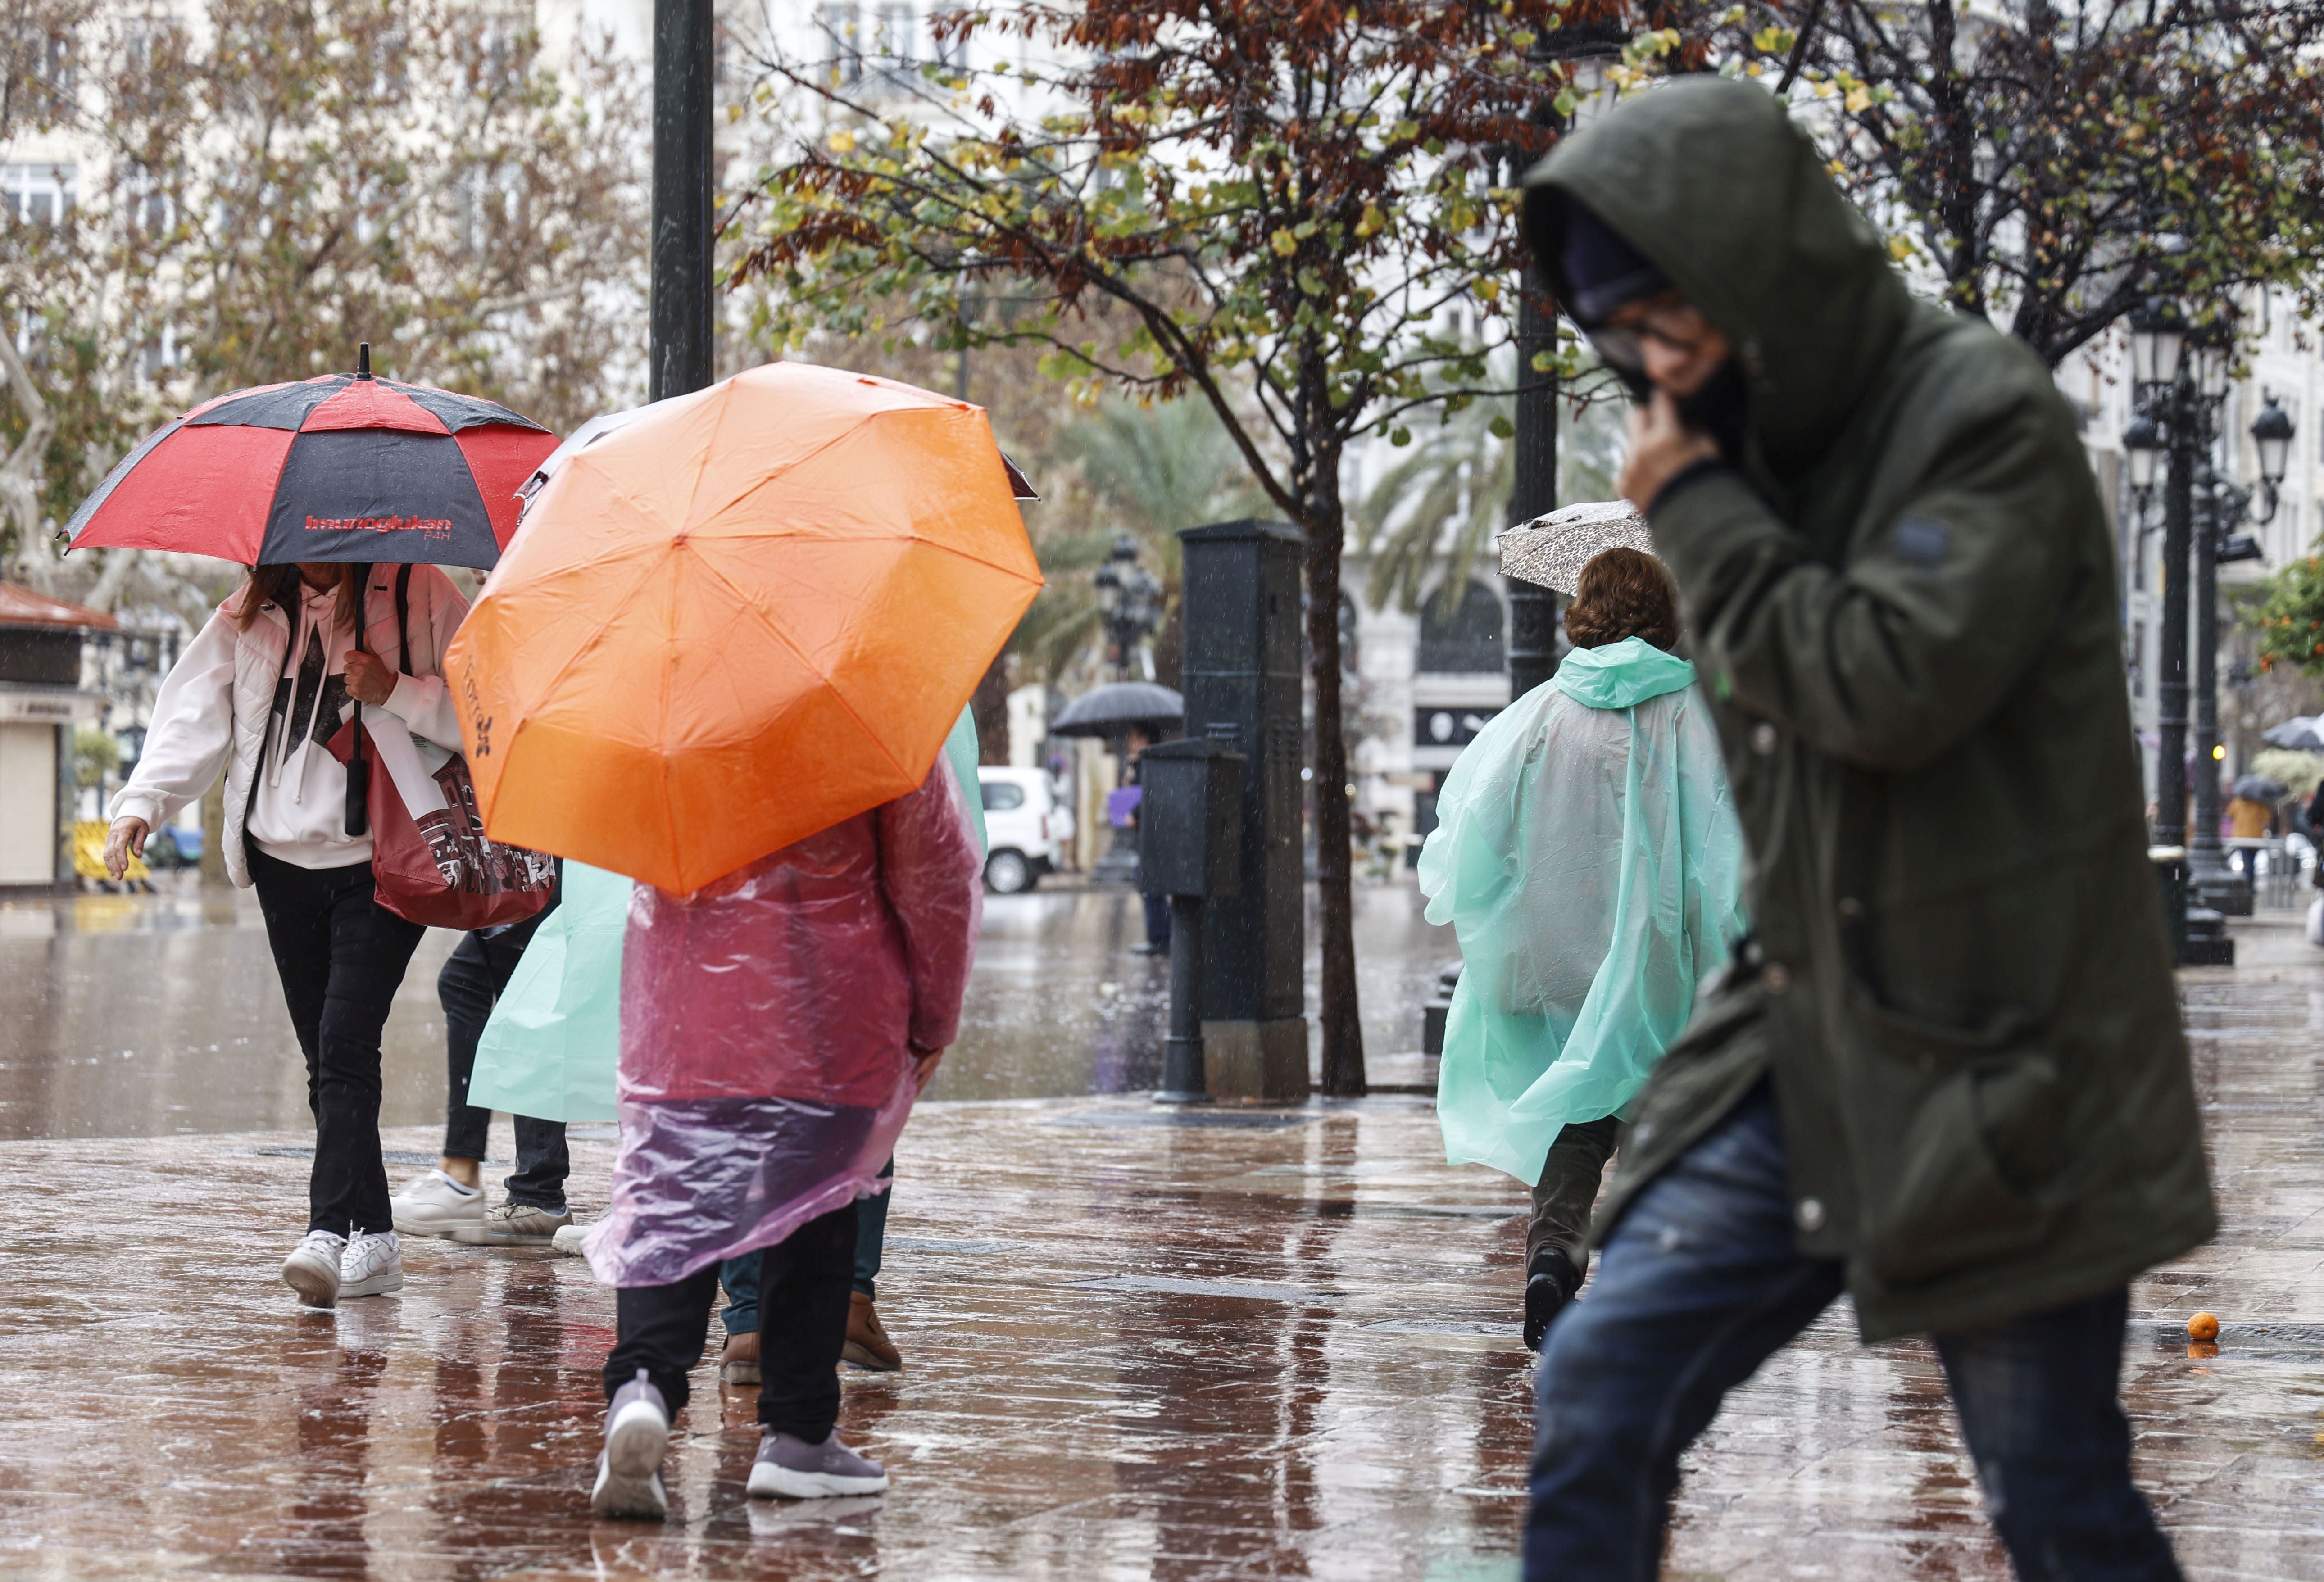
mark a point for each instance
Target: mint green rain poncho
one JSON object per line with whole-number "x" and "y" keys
{"x": 1588, "y": 856}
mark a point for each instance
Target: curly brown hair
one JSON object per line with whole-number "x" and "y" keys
{"x": 1623, "y": 592}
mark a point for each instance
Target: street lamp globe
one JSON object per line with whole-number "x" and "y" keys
{"x": 2142, "y": 442}
{"x": 2214, "y": 348}
{"x": 2270, "y": 434}
{"x": 2157, "y": 336}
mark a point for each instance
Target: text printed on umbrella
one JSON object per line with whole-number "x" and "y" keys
{"x": 379, "y": 524}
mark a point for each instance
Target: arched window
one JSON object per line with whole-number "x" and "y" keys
{"x": 1466, "y": 642}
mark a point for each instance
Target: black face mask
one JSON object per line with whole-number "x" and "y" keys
{"x": 1721, "y": 408}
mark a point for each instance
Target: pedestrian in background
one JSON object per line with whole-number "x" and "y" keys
{"x": 866, "y": 1345}
{"x": 255, "y": 696}
{"x": 776, "y": 1026}
{"x": 1587, "y": 856}
{"x": 448, "y": 1200}
{"x": 1948, "y": 1076}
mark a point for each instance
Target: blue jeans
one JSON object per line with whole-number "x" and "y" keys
{"x": 740, "y": 1276}
{"x": 1699, "y": 1282}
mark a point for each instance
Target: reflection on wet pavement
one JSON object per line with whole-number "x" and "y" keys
{"x": 1252, "y": 1344}
{"x": 134, "y": 1015}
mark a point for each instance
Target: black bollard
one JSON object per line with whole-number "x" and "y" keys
{"x": 1183, "y": 1080}
{"x": 1190, "y": 846}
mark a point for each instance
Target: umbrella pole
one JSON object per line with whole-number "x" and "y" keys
{"x": 358, "y": 811}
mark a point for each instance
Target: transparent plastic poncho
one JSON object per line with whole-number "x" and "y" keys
{"x": 766, "y": 1024}
{"x": 1588, "y": 857}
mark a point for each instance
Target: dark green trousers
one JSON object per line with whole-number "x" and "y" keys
{"x": 1568, "y": 1188}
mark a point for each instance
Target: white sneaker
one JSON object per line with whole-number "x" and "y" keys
{"x": 373, "y": 1265}
{"x": 437, "y": 1205}
{"x": 566, "y": 1242}
{"x": 312, "y": 1269}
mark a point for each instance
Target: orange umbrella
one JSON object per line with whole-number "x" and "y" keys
{"x": 754, "y": 612}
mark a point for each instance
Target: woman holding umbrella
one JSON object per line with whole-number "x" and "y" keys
{"x": 723, "y": 659}
{"x": 366, "y": 474}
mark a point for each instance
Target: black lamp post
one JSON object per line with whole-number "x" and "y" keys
{"x": 2182, "y": 378}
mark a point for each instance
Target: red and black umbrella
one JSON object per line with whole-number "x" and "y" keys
{"x": 340, "y": 468}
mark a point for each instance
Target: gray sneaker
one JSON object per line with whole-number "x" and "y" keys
{"x": 629, "y": 1469}
{"x": 523, "y": 1225}
{"x": 790, "y": 1469}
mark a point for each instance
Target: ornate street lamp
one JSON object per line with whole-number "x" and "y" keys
{"x": 1130, "y": 600}
{"x": 2271, "y": 433}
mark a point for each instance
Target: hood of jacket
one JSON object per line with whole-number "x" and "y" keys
{"x": 1620, "y": 676}
{"x": 1712, "y": 183}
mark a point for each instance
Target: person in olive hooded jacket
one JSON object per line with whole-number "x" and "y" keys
{"x": 1946, "y": 1074}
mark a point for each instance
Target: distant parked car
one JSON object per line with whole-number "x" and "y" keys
{"x": 1025, "y": 829}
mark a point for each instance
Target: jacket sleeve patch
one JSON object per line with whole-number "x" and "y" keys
{"x": 1922, "y": 540}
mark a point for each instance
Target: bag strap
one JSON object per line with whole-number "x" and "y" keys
{"x": 403, "y": 617}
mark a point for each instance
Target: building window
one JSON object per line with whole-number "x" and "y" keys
{"x": 1468, "y": 640}
{"x": 39, "y": 194}
{"x": 895, "y": 35}
{"x": 840, "y": 23}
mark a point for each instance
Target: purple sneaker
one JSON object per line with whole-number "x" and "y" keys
{"x": 790, "y": 1469}
{"x": 629, "y": 1470}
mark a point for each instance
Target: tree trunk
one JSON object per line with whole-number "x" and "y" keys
{"x": 988, "y": 707}
{"x": 1343, "y": 1025}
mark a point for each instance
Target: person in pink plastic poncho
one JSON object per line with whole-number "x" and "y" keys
{"x": 776, "y": 1026}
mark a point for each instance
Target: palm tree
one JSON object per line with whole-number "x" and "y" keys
{"x": 1150, "y": 471}
{"x": 1434, "y": 514}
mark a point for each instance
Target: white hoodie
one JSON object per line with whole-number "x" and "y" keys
{"x": 236, "y": 696}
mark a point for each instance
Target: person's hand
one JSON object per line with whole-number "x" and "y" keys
{"x": 369, "y": 681}
{"x": 124, "y": 841}
{"x": 1662, "y": 446}
{"x": 924, "y": 1068}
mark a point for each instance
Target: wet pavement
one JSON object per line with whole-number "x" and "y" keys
{"x": 143, "y": 1015}
{"x": 1239, "y": 1344}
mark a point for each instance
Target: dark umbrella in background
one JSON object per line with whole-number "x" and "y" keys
{"x": 1118, "y": 707}
{"x": 1112, "y": 711}
{"x": 2262, "y": 788}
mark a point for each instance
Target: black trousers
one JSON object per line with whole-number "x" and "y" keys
{"x": 475, "y": 976}
{"x": 803, "y": 1290}
{"x": 341, "y": 956}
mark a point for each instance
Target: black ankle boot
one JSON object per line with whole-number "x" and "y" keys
{"x": 1551, "y": 1280}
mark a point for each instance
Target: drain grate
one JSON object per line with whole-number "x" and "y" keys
{"x": 387, "y": 1156}
{"x": 1178, "y": 1117}
{"x": 1241, "y": 1289}
{"x": 1487, "y": 1328}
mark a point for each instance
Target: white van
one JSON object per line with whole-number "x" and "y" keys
{"x": 1025, "y": 828}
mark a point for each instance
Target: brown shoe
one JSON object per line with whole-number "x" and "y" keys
{"x": 739, "y": 1362}
{"x": 868, "y": 1345}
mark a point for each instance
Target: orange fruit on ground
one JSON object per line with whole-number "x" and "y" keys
{"x": 2202, "y": 1327}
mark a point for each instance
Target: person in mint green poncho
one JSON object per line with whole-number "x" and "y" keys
{"x": 1588, "y": 856}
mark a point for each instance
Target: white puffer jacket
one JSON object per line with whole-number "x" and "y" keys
{"x": 213, "y": 708}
